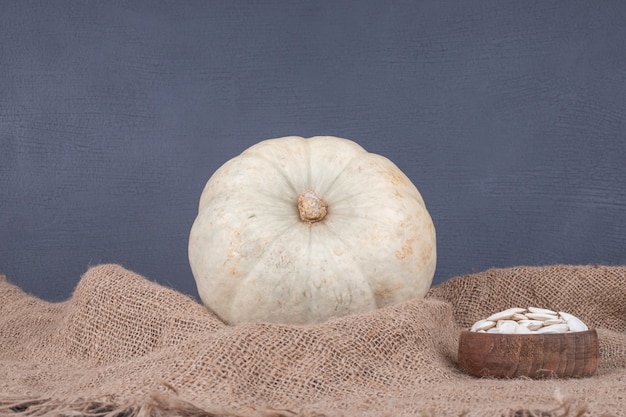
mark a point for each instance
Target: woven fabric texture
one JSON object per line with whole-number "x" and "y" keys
{"x": 123, "y": 345}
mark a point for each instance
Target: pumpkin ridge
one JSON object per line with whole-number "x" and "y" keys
{"x": 332, "y": 183}
{"x": 309, "y": 299}
{"x": 309, "y": 175}
{"x": 354, "y": 262}
{"x": 280, "y": 172}
{"x": 371, "y": 188}
{"x": 257, "y": 261}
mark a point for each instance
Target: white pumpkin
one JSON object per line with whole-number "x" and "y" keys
{"x": 299, "y": 230}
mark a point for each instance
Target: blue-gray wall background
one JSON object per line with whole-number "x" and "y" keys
{"x": 509, "y": 116}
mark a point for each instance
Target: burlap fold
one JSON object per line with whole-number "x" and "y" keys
{"x": 122, "y": 345}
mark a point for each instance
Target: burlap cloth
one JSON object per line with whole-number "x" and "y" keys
{"x": 125, "y": 346}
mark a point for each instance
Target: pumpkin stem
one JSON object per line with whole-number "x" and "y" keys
{"x": 311, "y": 207}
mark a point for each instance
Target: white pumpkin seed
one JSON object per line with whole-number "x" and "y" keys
{"x": 576, "y": 325}
{"x": 483, "y": 325}
{"x": 553, "y": 321}
{"x": 523, "y": 330}
{"x": 540, "y": 316}
{"x": 507, "y": 326}
{"x": 555, "y": 328}
{"x": 531, "y": 324}
{"x": 541, "y": 311}
{"x": 506, "y": 314}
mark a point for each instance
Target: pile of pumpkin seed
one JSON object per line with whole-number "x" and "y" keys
{"x": 529, "y": 320}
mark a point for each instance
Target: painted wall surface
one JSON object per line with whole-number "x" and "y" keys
{"x": 509, "y": 117}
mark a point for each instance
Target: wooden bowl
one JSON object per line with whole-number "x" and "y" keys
{"x": 560, "y": 355}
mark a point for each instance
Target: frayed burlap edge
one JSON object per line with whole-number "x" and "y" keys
{"x": 157, "y": 405}
{"x": 161, "y": 405}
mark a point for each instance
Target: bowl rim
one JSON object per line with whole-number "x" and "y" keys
{"x": 552, "y": 335}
